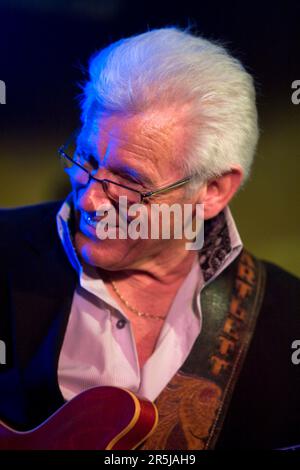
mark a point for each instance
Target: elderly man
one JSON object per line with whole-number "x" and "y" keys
{"x": 167, "y": 118}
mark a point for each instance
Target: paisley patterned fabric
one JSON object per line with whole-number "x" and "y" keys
{"x": 184, "y": 399}
{"x": 216, "y": 245}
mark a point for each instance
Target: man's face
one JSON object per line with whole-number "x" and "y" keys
{"x": 141, "y": 152}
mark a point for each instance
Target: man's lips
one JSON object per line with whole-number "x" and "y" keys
{"x": 94, "y": 220}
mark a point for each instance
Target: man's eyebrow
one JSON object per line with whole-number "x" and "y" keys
{"x": 87, "y": 147}
{"x": 135, "y": 173}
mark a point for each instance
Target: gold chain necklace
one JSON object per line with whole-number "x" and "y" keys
{"x": 133, "y": 309}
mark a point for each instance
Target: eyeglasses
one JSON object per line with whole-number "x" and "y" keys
{"x": 80, "y": 167}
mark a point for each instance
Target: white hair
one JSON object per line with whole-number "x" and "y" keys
{"x": 171, "y": 67}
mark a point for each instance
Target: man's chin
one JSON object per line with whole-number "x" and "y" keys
{"x": 105, "y": 254}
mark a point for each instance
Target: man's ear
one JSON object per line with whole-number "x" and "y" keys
{"x": 220, "y": 191}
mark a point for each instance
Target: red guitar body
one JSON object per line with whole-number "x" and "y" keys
{"x": 101, "y": 418}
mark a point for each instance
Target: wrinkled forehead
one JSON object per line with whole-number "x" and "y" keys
{"x": 155, "y": 134}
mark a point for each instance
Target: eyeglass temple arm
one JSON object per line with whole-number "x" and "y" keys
{"x": 166, "y": 188}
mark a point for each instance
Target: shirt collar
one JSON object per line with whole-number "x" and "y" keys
{"x": 222, "y": 242}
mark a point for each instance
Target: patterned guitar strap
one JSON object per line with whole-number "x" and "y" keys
{"x": 193, "y": 405}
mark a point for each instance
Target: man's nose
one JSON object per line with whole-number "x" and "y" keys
{"x": 92, "y": 197}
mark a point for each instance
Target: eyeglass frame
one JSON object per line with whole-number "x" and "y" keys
{"x": 143, "y": 195}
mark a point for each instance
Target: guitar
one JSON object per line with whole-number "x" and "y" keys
{"x": 101, "y": 418}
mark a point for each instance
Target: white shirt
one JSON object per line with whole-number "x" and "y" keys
{"x": 99, "y": 346}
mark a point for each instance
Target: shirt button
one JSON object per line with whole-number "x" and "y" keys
{"x": 121, "y": 323}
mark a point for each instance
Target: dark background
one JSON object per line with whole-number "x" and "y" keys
{"x": 44, "y": 51}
